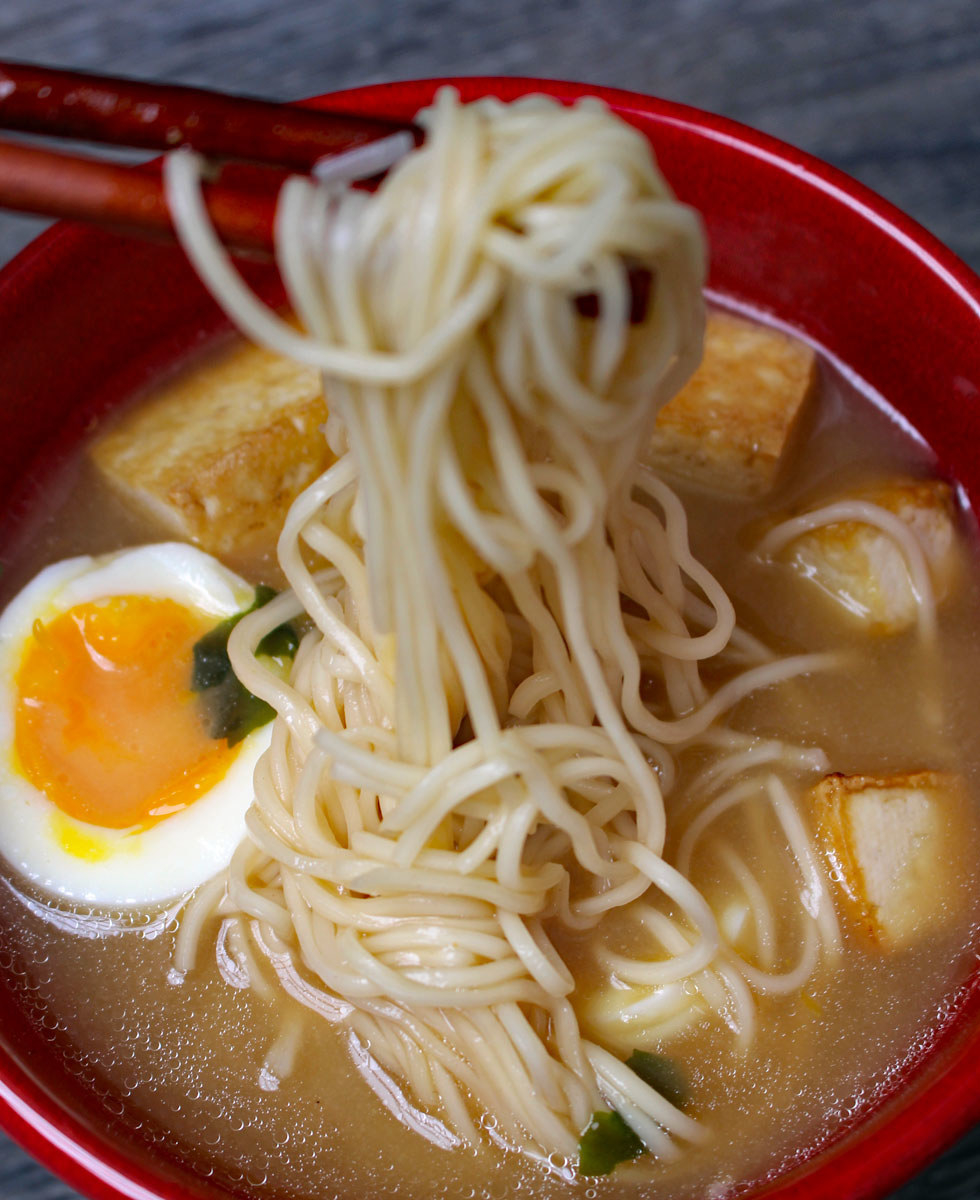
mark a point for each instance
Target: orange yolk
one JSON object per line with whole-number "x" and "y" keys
{"x": 106, "y": 724}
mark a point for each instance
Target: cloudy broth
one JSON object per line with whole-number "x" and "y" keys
{"x": 181, "y": 1062}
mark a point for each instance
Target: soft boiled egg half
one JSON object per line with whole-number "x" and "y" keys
{"x": 112, "y": 790}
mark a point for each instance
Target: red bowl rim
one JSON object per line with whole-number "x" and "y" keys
{"x": 886, "y": 1148}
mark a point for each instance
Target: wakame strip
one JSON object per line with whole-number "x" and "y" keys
{"x": 234, "y": 711}
{"x": 661, "y": 1073}
{"x": 606, "y": 1142}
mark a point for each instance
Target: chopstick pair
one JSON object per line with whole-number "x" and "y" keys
{"x": 274, "y": 139}
{"x": 251, "y": 144}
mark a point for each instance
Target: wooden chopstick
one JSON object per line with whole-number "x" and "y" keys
{"x": 152, "y": 116}
{"x": 127, "y": 200}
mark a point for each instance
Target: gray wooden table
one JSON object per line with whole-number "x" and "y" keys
{"x": 889, "y": 90}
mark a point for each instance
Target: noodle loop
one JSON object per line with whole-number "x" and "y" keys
{"x": 496, "y": 553}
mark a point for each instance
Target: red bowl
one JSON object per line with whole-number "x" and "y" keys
{"x": 86, "y": 318}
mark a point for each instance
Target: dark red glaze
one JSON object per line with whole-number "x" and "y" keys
{"x": 151, "y": 116}
{"x": 158, "y": 116}
{"x": 127, "y": 199}
{"x": 86, "y": 318}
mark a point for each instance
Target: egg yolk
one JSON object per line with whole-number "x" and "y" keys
{"x": 106, "y": 723}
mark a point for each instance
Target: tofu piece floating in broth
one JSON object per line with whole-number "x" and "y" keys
{"x": 729, "y": 427}
{"x": 219, "y": 455}
{"x": 865, "y": 570}
{"x": 896, "y": 846}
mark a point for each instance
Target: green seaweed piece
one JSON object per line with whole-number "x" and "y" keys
{"x": 233, "y": 711}
{"x": 606, "y": 1142}
{"x": 661, "y": 1073}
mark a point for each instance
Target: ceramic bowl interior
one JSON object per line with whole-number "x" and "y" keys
{"x": 87, "y": 318}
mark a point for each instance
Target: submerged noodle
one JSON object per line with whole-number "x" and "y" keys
{"x": 506, "y": 641}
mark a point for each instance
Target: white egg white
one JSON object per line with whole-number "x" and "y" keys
{"x": 135, "y": 866}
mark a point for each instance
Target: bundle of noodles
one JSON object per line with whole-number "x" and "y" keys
{"x": 462, "y": 762}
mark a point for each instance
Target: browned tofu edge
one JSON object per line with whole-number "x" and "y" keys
{"x": 175, "y": 455}
{"x": 904, "y": 497}
{"x": 833, "y": 830}
{"x": 734, "y": 447}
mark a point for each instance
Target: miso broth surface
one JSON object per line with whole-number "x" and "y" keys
{"x": 182, "y": 1064}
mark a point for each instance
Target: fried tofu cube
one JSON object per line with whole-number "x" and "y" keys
{"x": 864, "y": 569}
{"x": 896, "y": 848}
{"x": 728, "y": 428}
{"x": 219, "y": 454}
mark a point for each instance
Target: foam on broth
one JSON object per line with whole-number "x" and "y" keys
{"x": 182, "y": 1063}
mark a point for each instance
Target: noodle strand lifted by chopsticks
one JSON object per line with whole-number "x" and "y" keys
{"x": 485, "y": 519}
